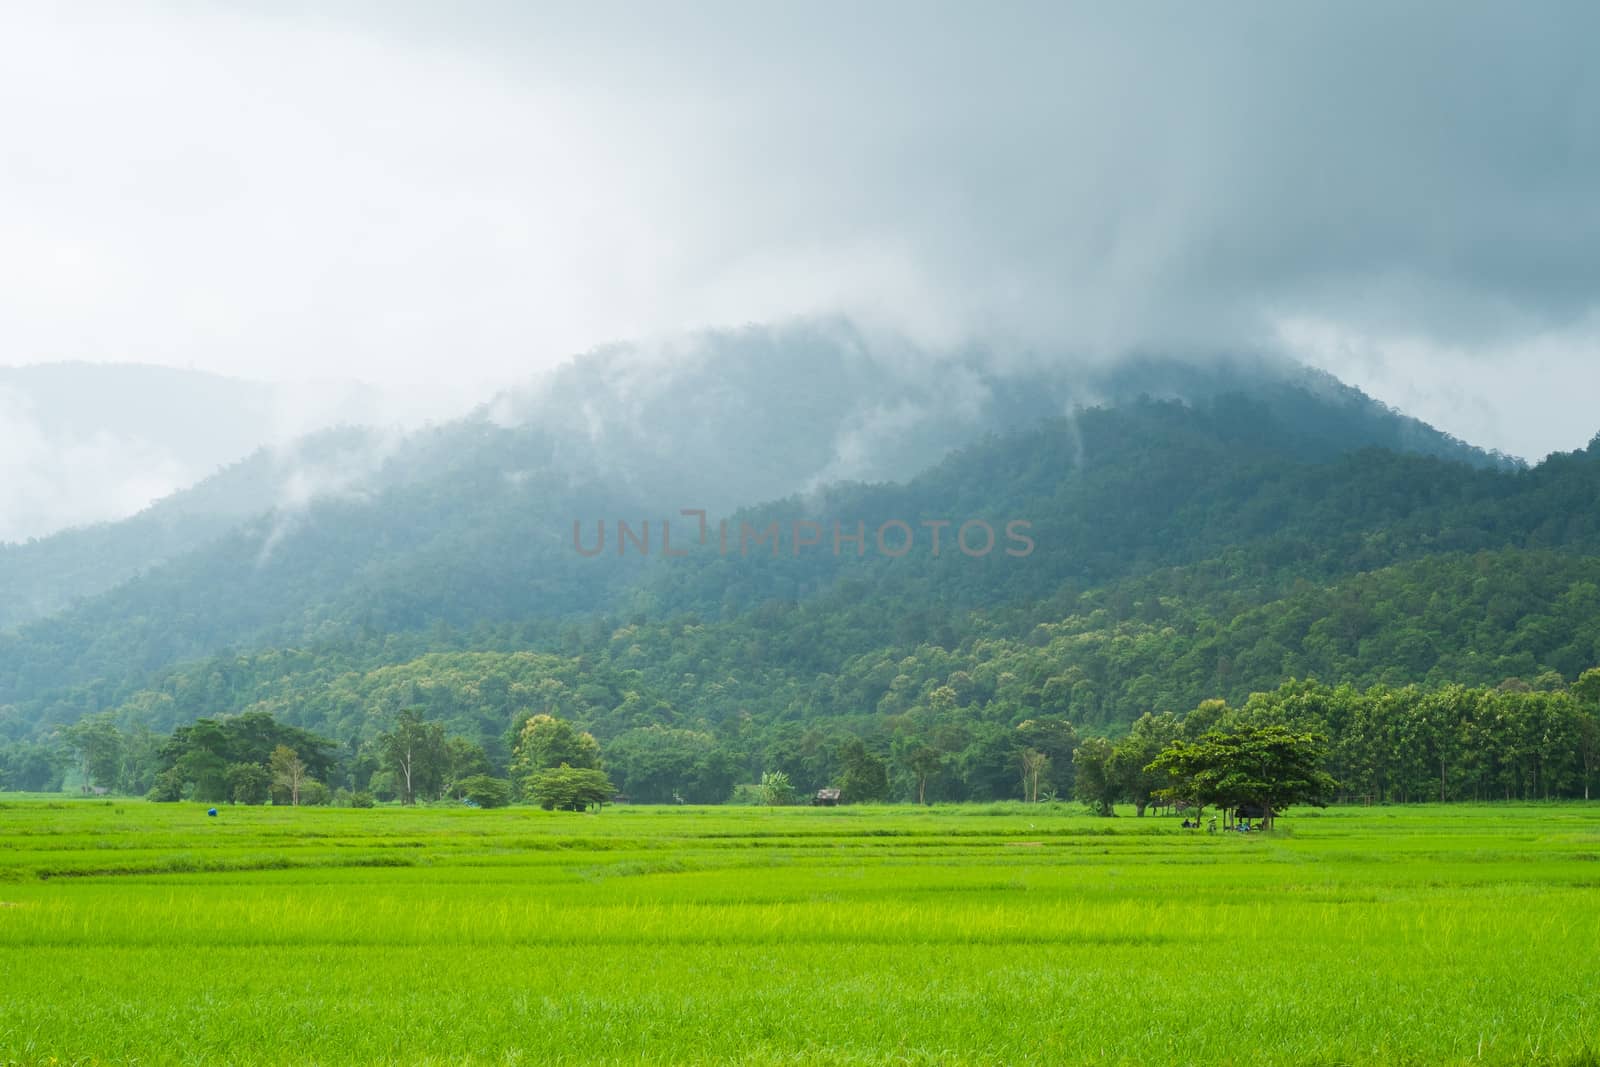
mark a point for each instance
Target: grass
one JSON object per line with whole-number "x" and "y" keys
{"x": 142, "y": 933}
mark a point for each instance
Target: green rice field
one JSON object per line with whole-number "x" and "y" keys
{"x": 144, "y": 933}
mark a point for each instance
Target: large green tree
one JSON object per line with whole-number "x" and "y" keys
{"x": 99, "y": 746}
{"x": 863, "y": 777}
{"x": 1129, "y": 765}
{"x": 414, "y": 751}
{"x": 1270, "y": 767}
{"x": 1097, "y": 784}
{"x": 545, "y": 741}
{"x": 570, "y": 788}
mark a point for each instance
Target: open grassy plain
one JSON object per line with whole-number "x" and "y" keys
{"x": 143, "y": 933}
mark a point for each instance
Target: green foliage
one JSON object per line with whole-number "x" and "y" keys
{"x": 570, "y": 788}
{"x": 195, "y": 760}
{"x": 776, "y": 790}
{"x": 250, "y": 783}
{"x": 360, "y": 798}
{"x": 1097, "y": 784}
{"x": 863, "y": 777}
{"x": 486, "y": 791}
{"x": 288, "y": 772}
{"x": 415, "y": 752}
{"x": 464, "y": 759}
{"x": 545, "y": 741}
{"x": 1129, "y": 765}
{"x": 659, "y": 765}
{"x": 169, "y": 785}
{"x": 99, "y": 746}
{"x": 1269, "y": 767}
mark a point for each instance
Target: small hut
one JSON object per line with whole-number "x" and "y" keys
{"x": 826, "y": 798}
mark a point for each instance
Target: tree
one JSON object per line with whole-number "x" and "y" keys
{"x": 1056, "y": 738}
{"x": 288, "y": 771}
{"x": 1270, "y": 767}
{"x": 1588, "y": 748}
{"x": 32, "y": 766}
{"x": 167, "y": 787}
{"x": 1130, "y": 758}
{"x": 202, "y": 755}
{"x": 987, "y": 764}
{"x": 1432, "y": 730}
{"x": 923, "y": 761}
{"x": 570, "y": 788}
{"x": 99, "y": 745}
{"x": 250, "y": 783}
{"x": 141, "y": 759}
{"x": 1586, "y": 690}
{"x": 485, "y": 791}
{"x": 776, "y": 789}
{"x": 196, "y": 759}
{"x": 863, "y": 777}
{"x": 464, "y": 759}
{"x": 546, "y": 741}
{"x": 658, "y": 764}
{"x": 414, "y": 750}
{"x": 1034, "y": 764}
{"x": 1096, "y": 784}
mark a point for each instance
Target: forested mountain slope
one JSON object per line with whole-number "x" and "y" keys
{"x": 1193, "y": 533}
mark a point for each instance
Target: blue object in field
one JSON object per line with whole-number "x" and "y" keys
{"x": 211, "y": 811}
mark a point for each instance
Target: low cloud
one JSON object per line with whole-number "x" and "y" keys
{"x": 81, "y": 444}
{"x": 47, "y": 482}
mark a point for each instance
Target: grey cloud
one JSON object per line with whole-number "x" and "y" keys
{"x": 420, "y": 192}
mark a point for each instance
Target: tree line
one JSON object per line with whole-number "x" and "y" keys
{"x": 1376, "y": 745}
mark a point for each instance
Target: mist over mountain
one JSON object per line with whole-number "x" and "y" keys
{"x": 83, "y": 443}
{"x": 43, "y": 575}
{"x": 719, "y": 419}
{"x": 714, "y": 420}
{"x": 374, "y": 548}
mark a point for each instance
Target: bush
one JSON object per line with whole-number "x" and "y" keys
{"x": 344, "y": 798}
{"x": 315, "y": 794}
{"x": 485, "y": 790}
{"x": 746, "y": 793}
{"x": 776, "y": 789}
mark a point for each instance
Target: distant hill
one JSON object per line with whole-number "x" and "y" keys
{"x": 42, "y": 576}
{"x": 108, "y": 469}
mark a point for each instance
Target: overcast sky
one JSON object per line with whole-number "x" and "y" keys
{"x": 1403, "y": 194}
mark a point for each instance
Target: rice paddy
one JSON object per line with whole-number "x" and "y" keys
{"x": 144, "y": 933}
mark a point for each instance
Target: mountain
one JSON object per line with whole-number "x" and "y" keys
{"x": 716, "y": 420}
{"x": 1192, "y": 522}
{"x": 44, "y": 575}
{"x": 109, "y": 469}
{"x": 725, "y": 419}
